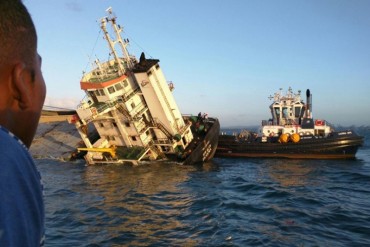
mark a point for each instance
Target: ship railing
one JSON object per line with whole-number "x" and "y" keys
{"x": 149, "y": 146}
{"x": 146, "y": 140}
{"x": 104, "y": 106}
{"x": 103, "y": 77}
{"x": 130, "y": 94}
{"x": 142, "y": 127}
{"x": 162, "y": 141}
{"x": 185, "y": 127}
{"x": 141, "y": 108}
{"x": 156, "y": 149}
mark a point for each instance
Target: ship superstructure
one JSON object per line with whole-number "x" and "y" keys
{"x": 131, "y": 106}
{"x": 291, "y": 116}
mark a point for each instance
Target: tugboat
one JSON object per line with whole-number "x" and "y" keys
{"x": 130, "y": 107}
{"x": 292, "y": 132}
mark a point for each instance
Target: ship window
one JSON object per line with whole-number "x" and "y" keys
{"x": 101, "y": 124}
{"x": 118, "y": 86}
{"x": 132, "y": 105}
{"x": 127, "y": 124}
{"x": 149, "y": 73}
{"x": 125, "y": 83}
{"x": 101, "y": 92}
{"x": 114, "y": 124}
{"x": 133, "y": 138}
{"x": 277, "y": 112}
{"x": 302, "y": 111}
{"x": 97, "y": 93}
{"x": 184, "y": 140}
{"x": 111, "y": 90}
{"x": 285, "y": 112}
{"x": 157, "y": 66}
{"x": 297, "y": 111}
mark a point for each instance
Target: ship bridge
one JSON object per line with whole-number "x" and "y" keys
{"x": 287, "y": 109}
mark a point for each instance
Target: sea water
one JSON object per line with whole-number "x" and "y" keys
{"x": 225, "y": 202}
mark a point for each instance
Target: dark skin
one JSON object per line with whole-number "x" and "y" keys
{"x": 22, "y": 95}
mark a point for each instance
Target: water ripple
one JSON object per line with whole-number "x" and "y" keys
{"x": 227, "y": 202}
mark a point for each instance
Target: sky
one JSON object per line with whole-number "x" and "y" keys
{"x": 225, "y": 58}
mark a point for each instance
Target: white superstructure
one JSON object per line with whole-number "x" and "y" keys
{"x": 130, "y": 104}
{"x": 291, "y": 116}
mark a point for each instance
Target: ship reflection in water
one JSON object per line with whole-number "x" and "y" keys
{"x": 292, "y": 173}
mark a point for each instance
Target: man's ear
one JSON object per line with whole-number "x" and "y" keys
{"x": 21, "y": 85}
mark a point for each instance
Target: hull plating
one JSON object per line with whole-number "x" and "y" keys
{"x": 334, "y": 147}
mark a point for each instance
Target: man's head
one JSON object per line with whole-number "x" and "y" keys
{"x": 22, "y": 87}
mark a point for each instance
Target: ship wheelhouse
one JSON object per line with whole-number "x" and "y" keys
{"x": 287, "y": 109}
{"x": 291, "y": 115}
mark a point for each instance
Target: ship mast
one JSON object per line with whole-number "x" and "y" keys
{"x": 123, "y": 43}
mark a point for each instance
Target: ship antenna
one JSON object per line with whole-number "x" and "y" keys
{"x": 117, "y": 30}
{"x": 103, "y": 26}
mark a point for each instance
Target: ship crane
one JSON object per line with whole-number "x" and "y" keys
{"x": 111, "y": 150}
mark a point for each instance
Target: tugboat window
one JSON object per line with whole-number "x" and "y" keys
{"x": 285, "y": 112}
{"x": 133, "y": 138}
{"x": 297, "y": 111}
{"x": 277, "y": 112}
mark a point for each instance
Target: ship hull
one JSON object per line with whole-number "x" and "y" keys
{"x": 340, "y": 145}
{"x": 205, "y": 144}
{"x": 201, "y": 149}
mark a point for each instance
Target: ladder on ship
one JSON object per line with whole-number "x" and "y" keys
{"x": 160, "y": 126}
{"x": 155, "y": 149}
{"x": 123, "y": 110}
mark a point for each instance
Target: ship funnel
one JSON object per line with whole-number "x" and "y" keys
{"x": 308, "y": 104}
{"x": 142, "y": 60}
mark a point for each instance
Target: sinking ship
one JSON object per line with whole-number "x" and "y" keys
{"x": 129, "y": 114}
{"x": 292, "y": 132}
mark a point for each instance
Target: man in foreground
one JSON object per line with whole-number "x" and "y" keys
{"x": 22, "y": 95}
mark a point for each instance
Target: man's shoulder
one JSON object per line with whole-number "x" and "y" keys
{"x": 21, "y": 207}
{"x": 12, "y": 147}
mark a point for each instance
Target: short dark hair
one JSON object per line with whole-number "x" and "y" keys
{"x": 18, "y": 38}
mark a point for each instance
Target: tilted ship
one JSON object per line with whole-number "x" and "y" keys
{"x": 292, "y": 132}
{"x": 135, "y": 118}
